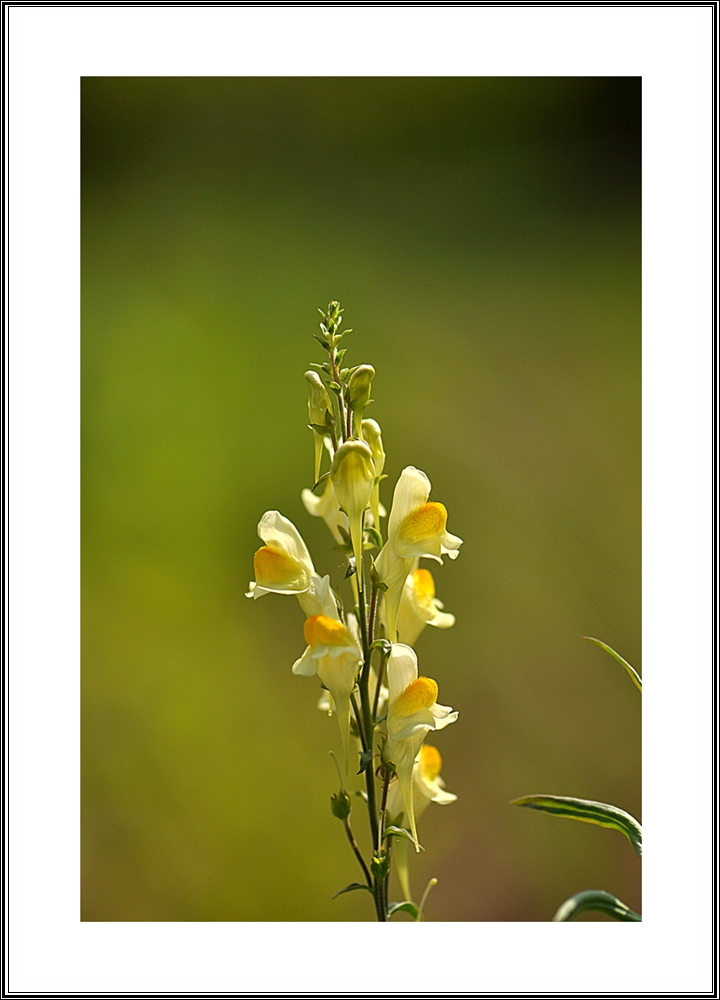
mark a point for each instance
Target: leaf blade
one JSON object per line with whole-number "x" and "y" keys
{"x": 634, "y": 675}
{"x": 596, "y": 899}
{"x": 352, "y": 887}
{"x": 587, "y": 811}
{"x": 405, "y": 907}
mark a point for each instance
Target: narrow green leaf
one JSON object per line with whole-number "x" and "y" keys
{"x": 322, "y": 479}
{"x": 374, "y": 535}
{"x": 397, "y": 831}
{"x": 405, "y": 907}
{"x": 596, "y": 899}
{"x": 587, "y": 811}
{"x": 636, "y": 679}
{"x": 352, "y": 887}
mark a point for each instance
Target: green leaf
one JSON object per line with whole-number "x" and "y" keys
{"x": 397, "y": 831}
{"x": 636, "y": 679}
{"x": 587, "y": 811}
{"x": 322, "y": 479}
{"x": 352, "y": 887}
{"x": 375, "y": 535}
{"x": 596, "y": 899}
{"x": 405, "y": 907}
{"x": 365, "y": 760}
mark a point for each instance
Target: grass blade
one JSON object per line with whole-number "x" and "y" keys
{"x": 596, "y": 899}
{"x": 599, "y": 813}
{"x": 636, "y": 679}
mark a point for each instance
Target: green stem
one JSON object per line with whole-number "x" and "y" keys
{"x": 386, "y": 887}
{"x": 359, "y": 720}
{"x": 341, "y": 408}
{"x": 383, "y": 807}
{"x": 373, "y": 610}
{"x": 380, "y": 677}
{"x": 358, "y": 855}
{"x": 364, "y": 685}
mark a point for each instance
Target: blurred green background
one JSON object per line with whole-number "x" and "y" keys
{"x": 483, "y": 236}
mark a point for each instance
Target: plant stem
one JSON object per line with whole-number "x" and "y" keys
{"x": 364, "y": 685}
{"x": 341, "y": 408}
{"x": 386, "y": 887}
{"x": 383, "y": 807}
{"x": 358, "y": 855}
{"x": 380, "y": 676}
{"x": 359, "y": 720}
{"x": 373, "y": 609}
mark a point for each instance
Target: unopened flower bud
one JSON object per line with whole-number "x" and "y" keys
{"x": 319, "y": 404}
{"x": 380, "y": 865}
{"x": 359, "y": 386}
{"x": 340, "y": 805}
{"x": 320, "y": 411}
{"x": 353, "y": 477}
{"x": 373, "y": 435}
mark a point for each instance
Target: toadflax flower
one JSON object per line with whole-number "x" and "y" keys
{"x": 283, "y": 566}
{"x": 413, "y": 711}
{"x": 427, "y": 784}
{"x": 353, "y": 477}
{"x": 419, "y": 606}
{"x": 416, "y": 528}
{"x": 334, "y": 655}
{"x": 325, "y": 701}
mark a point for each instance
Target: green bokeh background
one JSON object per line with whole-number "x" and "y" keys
{"x": 483, "y": 236}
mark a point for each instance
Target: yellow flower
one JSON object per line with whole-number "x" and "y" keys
{"x": 419, "y": 607}
{"x": 428, "y": 786}
{"x": 283, "y": 566}
{"x": 353, "y": 476}
{"x": 416, "y": 528}
{"x": 413, "y": 711}
{"x": 334, "y": 655}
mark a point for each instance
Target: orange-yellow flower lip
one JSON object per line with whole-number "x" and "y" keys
{"x": 422, "y": 693}
{"x": 321, "y": 630}
{"x": 430, "y": 762}
{"x": 425, "y": 522}
{"x": 276, "y": 567}
{"x": 423, "y": 584}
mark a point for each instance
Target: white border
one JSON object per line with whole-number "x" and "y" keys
{"x": 50, "y": 47}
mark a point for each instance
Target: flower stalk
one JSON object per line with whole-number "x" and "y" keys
{"x": 353, "y": 652}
